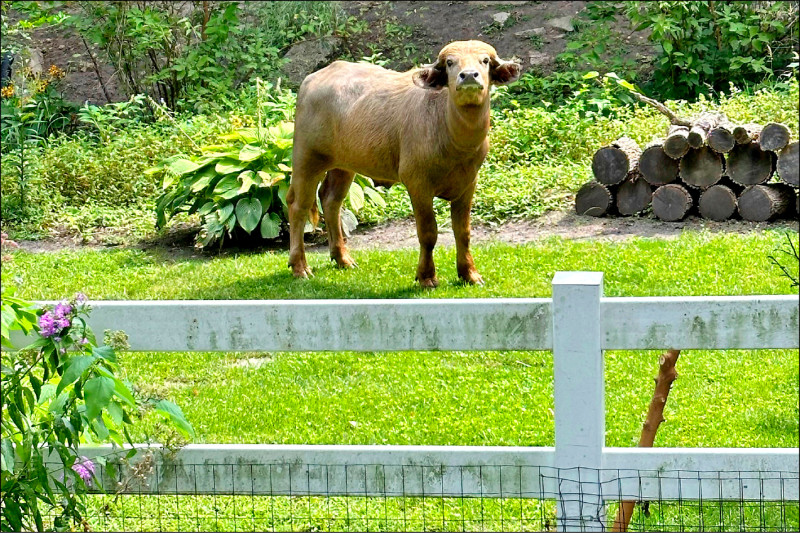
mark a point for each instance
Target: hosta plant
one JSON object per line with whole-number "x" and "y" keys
{"x": 241, "y": 183}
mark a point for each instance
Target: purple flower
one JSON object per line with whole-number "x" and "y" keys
{"x": 57, "y": 339}
{"x": 63, "y": 322}
{"x": 81, "y": 298}
{"x": 84, "y": 468}
{"x": 47, "y": 324}
{"x": 84, "y": 341}
{"x": 62, "y": 309}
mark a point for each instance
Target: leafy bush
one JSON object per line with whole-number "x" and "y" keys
{"x": 707, "y": 45}
{"x": 59, "y": 392}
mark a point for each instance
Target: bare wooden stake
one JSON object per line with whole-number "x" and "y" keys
{"x": 655, "y": 415}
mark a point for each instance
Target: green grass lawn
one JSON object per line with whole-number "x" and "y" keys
{"x": 743, "y": 398}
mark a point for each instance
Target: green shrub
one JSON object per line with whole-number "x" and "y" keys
{"x": 704, "y": 46}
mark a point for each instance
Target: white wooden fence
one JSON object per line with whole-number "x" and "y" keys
{"x": 577, "y": 324}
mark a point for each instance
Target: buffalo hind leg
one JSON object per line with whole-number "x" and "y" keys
{"x": 459, "y": 215}
{"x": 427, "y": 234}
{"x": 306, "y": 176}
{"x": 332, "y": 193}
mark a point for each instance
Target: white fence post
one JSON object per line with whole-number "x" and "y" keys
{"x": 579, "y": 399}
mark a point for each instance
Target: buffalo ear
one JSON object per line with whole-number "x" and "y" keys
{"x": 505, "y": 72}
{"x": 430, "y": 77}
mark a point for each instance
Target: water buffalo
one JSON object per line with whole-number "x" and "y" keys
{"x": 425, "y": 128}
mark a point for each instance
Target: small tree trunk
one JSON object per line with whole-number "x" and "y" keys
{"x": 594, "y": 199}
{"x": 760, "y": 203}
{"x": 655, "y": 415}
{"x": 703, "y": 124}
{"x": 611, "y": 164}
{"x": 634, "y": 196}
{"x": 677, "y": 143}
{"x": 671, "y": 202}
{"x": 720, "y": 139}
{"x": 717, "y": 203}
{"x": 748, "y": 164}
{"x": 656, "y": 166}
{"x": 788, "y": 165}
{"x": 746, "y": 133}
{"x": 701, "y": 167}
{"x": 774, "y": 136}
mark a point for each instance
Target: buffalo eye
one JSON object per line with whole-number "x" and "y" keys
{"x": 449, "y": 62}
{"x": 485, "y": 60}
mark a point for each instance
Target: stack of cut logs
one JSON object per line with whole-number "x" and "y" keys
{"x": 707, "y": 163}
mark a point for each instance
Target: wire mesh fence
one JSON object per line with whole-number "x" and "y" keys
{"x": 380, "y": 497}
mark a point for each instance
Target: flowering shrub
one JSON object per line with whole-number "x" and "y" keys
{"x": 59, "y": 392}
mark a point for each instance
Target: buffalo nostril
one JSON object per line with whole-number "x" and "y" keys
{"x": 462, "y": 76}
{"x": 475, "y": 75}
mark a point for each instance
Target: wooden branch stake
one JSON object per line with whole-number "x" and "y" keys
{"x": 655, "y": 415}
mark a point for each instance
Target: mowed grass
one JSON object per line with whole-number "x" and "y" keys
{"x": 723, "y": 398}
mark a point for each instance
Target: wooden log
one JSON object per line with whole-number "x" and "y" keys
{"x": 717, "y": 203}
{"x": 774, "y": 137}
{"x": 748, "y": 164}
{"x": 789, "y": 165}
{"x": 655, "y": 416}
{"x": 594, "y": 199}
{"x": 720, "y": 139}
{"x": 656, "y": 166}
{"x": 611, "y": 164}
{"x": 634, "y": 196}
{"x": 672, "y": 202}
{"x": 701, "y": 126}
{"x": 746, "y": 133}
{"x": 677, "y": 142}
{"x": 760, "y": 203}
{"x": 701, "y": 167}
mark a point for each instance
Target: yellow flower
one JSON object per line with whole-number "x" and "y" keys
{"x": 236, "y": 122}
{"x": 7, "y": 91}
{"x": 41, "y": 86}
{"x": 56, "y": 72}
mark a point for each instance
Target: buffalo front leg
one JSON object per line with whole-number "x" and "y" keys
{"x": 332, "y": 193}
{"x": 301, "y": 198}
{"x": 459, "y": 215}
{"x": 427, "y": 234}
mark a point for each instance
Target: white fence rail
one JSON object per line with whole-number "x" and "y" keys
{"x": 577, "y": 324}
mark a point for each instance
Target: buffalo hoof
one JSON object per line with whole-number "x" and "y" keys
{"x": 302, "y": 271}
{"x": 473, "y": 278}
{"x": 429, "y": 283}
{"x": 344, "y": 261}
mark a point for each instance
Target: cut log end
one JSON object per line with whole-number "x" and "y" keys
{"x": 593, "y": 199}
{"x": 760, "y": 203}
{"x": 748, "y": 164}
{"x": 717, "y": 203}
{"x": 611, "y": 164}
{"x": 671, "y": 202}
{"x": 677, "y": 143}
{"x": 746, "y": 133}
{"x": 774, "y": 137}
{"x": 789, "y": 165}
{"x": 634, "y": 196}
{"x": 701, "y": 167}
{"x": 656, "y": 166}
{"x": 721, "y": 140}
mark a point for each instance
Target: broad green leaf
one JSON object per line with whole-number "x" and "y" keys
{"x": 105, "y": 352}
{"x": 270, "y": 226}
{"x": 204, "y": 179}
{"x": 97, "y": 392}
{"x": 115, "y": 412}
{"x": 667, "y": 46}
{"x": 250, "y": 152}
{"x": 270, "y": 178}
{"x": 229, "y": 165}
{"x": 206, "y": 209}
{"x": 248, "y": 180}
{"x": 173, "y": 413}
{"x": 248, "y": 213}
{"x": 225, "y": 212}
{"x": 227, "y": 184}
{"x": 285, "y": 168}
{"x": 590, "y": 75}
{"x": 183, "y": 166}
{"x": 374, "y": 196}
{"x": 283, "y": 190}
{"x": 349, "y": 221}
{"x": 356, "y": 197}
{"x": 7, "y": 456}
{"x": 75, "y": 369}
